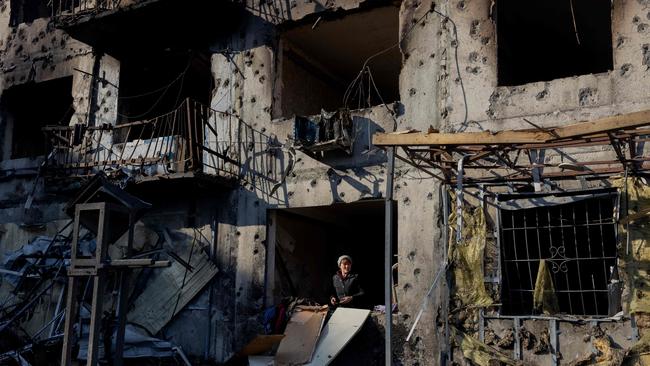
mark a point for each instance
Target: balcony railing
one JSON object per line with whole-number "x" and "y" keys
{"x": 73, "y": 8}
{"x": 188, "y": 141}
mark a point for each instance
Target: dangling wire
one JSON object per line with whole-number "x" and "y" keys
{"x": 350, "y": 90}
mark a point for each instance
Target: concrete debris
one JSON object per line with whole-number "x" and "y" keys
{"x": 603, "y": 352}
{"x": 45, "y": 251}
{"x": 507, "y": 341}
{"x": 542, "y": 345}
{"x": 136, "y": 345}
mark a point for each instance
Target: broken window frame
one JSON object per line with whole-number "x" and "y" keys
{"x": 27, "y": 11}
{"x": 558, "y": 262}
{"x": 353, "y": 96}
{"x": 13, "y": 105}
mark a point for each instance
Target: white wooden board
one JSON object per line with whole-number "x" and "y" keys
{"x": 260, "y": 360}
{"x": 339, "y": 330}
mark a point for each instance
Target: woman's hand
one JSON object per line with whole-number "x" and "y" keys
{"x": 333, "y": 300}
{"x": 346, "y": 299}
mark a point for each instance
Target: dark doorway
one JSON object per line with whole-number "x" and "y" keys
{"x": 309, "y": 240}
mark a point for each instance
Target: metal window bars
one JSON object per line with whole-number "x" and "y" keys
{"x": 191, "y": 139}
{"x": 578, "y": 240}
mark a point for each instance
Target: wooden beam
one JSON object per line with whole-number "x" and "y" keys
{"x": 578, "y": 129}
{"x": 607, "y": 124}
{"x": 462, "y": 138}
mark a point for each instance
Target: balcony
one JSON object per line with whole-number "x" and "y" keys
{"x": 192, "y": 141}
{"x": 119, "y": 27}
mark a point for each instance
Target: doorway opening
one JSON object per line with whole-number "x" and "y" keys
{"x": 309, "y": 240}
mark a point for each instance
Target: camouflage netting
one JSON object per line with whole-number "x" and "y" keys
{"x": 480, "y": 353}
{"x": 466, "y": 257}
{"x": 634, "y": 259}
{"x": 544, "y": 297}
{"x": 635, "y": 262}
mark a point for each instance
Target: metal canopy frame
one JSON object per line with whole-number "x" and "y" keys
{"x": 456, "y": 157}
{"x": 511, "y": 156}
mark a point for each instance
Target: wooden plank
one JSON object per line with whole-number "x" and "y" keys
{"x": 577, "y": 129}
{"x": 260, "y": 344}
{"x": 463, "y": 138}
{"x": 70, "y": 317}
{"x": 301, "y": 335}
{"x": 344, "y": 324}
{"x": 613, "y": 123}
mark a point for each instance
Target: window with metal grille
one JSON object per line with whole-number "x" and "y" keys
{"x": 577, "y": 241}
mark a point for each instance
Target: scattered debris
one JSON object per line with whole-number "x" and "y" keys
{"x": 327, "y": 132}
{"x": 507, "y": 341}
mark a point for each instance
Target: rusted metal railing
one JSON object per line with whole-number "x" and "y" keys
{"x": 191, "y": 139}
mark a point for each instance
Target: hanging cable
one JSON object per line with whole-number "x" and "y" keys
{"x": 455, "y": 45}
{"x": 357, "y": 80}
{"x": 348, "y": 90}
{"x": 164, "y": 89}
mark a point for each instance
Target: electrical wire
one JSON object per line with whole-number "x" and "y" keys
{"x": 164, "y": 89}
{"x": 348, "y": 91}
{"x": 346, "y": 95}
{"x": 456, "y": 44}
{"x": 180, "y": 75}
{"x": 153, "y": 106}
{"x": 390, "y": 111}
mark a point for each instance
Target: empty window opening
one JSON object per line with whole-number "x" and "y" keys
{"x": 577, "y": 240}
{"x": 310, "y": 240}
{"x": 26, "y": 11}
{"x": 537, "y": 40}
{"x": 27, "y": 108}
{"x": 321, "y": 59}
{"x": 157, "y": 84}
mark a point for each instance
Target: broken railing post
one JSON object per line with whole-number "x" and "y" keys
{"x": 388, "y": 252}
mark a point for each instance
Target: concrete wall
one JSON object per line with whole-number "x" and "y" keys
{"x": 245, "y": 86}
{"x": 549, "y": 103}
{"x": 344, "y": 179}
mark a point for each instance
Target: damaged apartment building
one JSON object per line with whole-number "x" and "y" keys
{"x": 178, "y": 179}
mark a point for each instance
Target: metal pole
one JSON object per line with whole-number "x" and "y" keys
{"x": 388, "y": 254}
{"x": 446, "y": 359}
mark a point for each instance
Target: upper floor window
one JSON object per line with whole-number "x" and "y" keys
{"x": 26, "y": 108}
{"x": 320, "y": 63}
{"x": 546, "y": 40}
{"x": 26, "y": 11}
